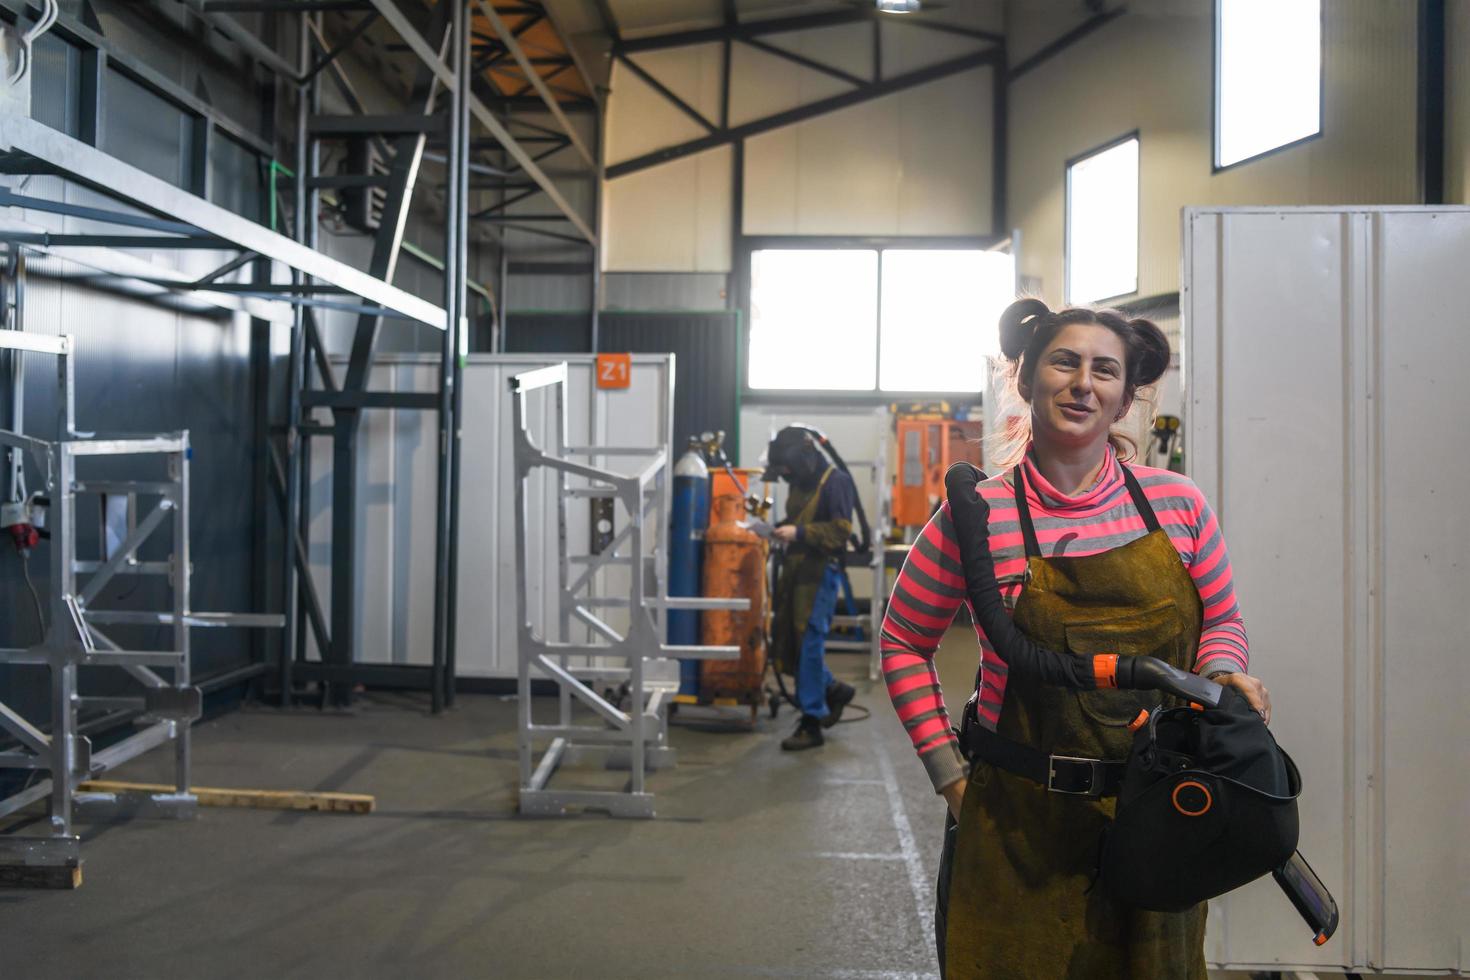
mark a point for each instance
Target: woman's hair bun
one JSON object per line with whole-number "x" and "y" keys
{"x": 1018, "y": 325}
{"x": 1153, "y": 351}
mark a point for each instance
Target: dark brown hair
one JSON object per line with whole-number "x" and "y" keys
{"x": 1028, "y": 326}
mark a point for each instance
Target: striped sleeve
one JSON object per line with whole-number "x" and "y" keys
{"x": 1223, "y": 645}
{"x": 928, "y": 593}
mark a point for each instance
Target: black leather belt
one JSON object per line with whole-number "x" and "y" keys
{"x": 1068, "y": 774}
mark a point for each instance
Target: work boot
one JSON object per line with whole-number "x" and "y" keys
{"x": 838, "y": 695}
{"x": 808, "y": 735}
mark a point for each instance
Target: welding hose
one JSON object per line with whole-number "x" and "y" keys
{"x": 865, "y": 543}
{"x": 1024, "y": 656}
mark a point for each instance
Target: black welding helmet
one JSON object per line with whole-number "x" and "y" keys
{"x": 792, "y": 455}
{"x": 1207, "y": 804}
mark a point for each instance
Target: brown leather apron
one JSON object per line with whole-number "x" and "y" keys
{"x": 1019, "y": 902}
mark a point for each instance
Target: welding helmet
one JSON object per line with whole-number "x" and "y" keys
{"x": 1207, "y": 804}
{"x": 792, "y": 455}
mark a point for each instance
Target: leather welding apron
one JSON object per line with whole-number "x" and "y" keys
{"x": 797, "y": 584}
{"x": 1020, "y": 902}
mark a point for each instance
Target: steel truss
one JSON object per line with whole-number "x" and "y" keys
{"x": 446, "y": 104}
{"x": 164, "y": 706}
{"x": 990, "y": 52}
{"x": 636, "y": 739}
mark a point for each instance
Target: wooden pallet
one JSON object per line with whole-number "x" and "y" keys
{"x": 258, "y": 799}
{"x": 40, "y": 876}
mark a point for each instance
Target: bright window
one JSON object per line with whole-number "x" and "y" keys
{"x": 813, "y": 318}
{"x": 1102, "y": 223}
{"x": 1268, "y": 76}
{"x": 941, "y": 313}
{"x": 817, "y": 322}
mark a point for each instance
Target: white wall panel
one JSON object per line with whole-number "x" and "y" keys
{"x": 1457, "y": 103}
{"x": 1150, "y": 70}
{"x": 914, "y": 163}
{"x": 695, "y": 73}
{"x": 398, "y": 462}
{"x": 671, "y": 218}
{"x": 847, "y": 48}
{"x": 640, "y": 120}
{"x": 765, "y": 84}
{"x": 1423, "y": 582}
{"x": 908, "y": 48}
{"x": 1319, "y": 346}
{"x": 918, "y": 162}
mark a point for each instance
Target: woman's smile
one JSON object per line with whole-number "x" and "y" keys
{"x": 1076, "y": 411}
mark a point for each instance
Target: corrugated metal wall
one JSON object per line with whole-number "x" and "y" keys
{"x": 706, "y": 348}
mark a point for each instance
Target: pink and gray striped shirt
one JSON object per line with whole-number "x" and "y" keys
{"x": 931, "y": 587}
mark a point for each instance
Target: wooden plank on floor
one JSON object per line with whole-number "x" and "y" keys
{"x": 40, "y": 876}
{"x": 259, "y": 799}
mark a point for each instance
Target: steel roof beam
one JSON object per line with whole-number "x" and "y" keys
{"x": 420, "y": 47}
{"x": 782, "y": 25}
{"x": 513, "y": 45}
{"x": 734, "y": 134}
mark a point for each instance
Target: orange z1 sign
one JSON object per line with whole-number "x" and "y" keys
{"x": 614, "y": 370}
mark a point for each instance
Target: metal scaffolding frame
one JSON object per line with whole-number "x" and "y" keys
{"x": 452, "y": 93}
{"x": 73, "y": 637}
{"x": 450, "y": 54}
{"x": 636, "y": 738}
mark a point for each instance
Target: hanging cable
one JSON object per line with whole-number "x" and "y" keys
{"x": 50, "y": 11}
{"x": 25, "y": 571}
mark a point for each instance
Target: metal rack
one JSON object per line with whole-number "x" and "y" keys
{"x": 873, "y": 560}
{"x": 636, "y": 739}
{"x": 166, "y": 706}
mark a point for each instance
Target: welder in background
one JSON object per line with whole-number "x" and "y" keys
{"x": 818, "y": 524}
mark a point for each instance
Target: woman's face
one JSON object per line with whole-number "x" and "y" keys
{"x": 1078, "y": 390}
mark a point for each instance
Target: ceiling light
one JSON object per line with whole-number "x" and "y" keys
{"x": 898, "y": 6}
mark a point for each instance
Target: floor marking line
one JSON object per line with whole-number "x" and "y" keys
{"x": 857, "y": 856}
{"x": 917, "y": 880}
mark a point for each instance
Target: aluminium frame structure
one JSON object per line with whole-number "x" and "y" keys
{"x": 73, "y": 638}
{"x": 638, "y": 737}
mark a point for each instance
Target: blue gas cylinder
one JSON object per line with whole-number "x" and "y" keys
{"x": 686, "y": 555}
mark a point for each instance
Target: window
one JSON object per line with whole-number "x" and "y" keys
{"x": 813, "y": 318}
{"x": 890, "y": 320}
{"x": 1268, "y": 76}
{"x": 1102, "y": 223}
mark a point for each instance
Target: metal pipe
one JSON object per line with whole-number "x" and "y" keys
{"x": 295, "y": 381}
{"x": 453, "y": 304}
{"x": 461, "y": 340}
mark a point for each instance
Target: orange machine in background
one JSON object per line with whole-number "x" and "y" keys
{"x": 927, "y": 445}
{"x": 734, "y": 568}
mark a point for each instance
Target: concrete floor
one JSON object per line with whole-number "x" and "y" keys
{"x": 760, "y": 863}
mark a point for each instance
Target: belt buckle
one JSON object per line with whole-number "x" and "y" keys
{"x": 1095, "y": 781}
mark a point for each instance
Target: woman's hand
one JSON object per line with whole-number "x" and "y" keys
{"x": 1251, "y": 689}
{"x": 954, "y": 795}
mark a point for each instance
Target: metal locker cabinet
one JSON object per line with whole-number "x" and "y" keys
{"x": 1324, "y": 421}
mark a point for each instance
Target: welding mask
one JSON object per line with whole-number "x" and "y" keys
{"x": 792, "y": 456}
{"x": 1207, "y": 804}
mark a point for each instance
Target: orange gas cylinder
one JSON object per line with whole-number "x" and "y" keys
{"x": 734, "y": 568}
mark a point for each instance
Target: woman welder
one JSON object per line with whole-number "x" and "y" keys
{"x": 1091, "y": 556}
